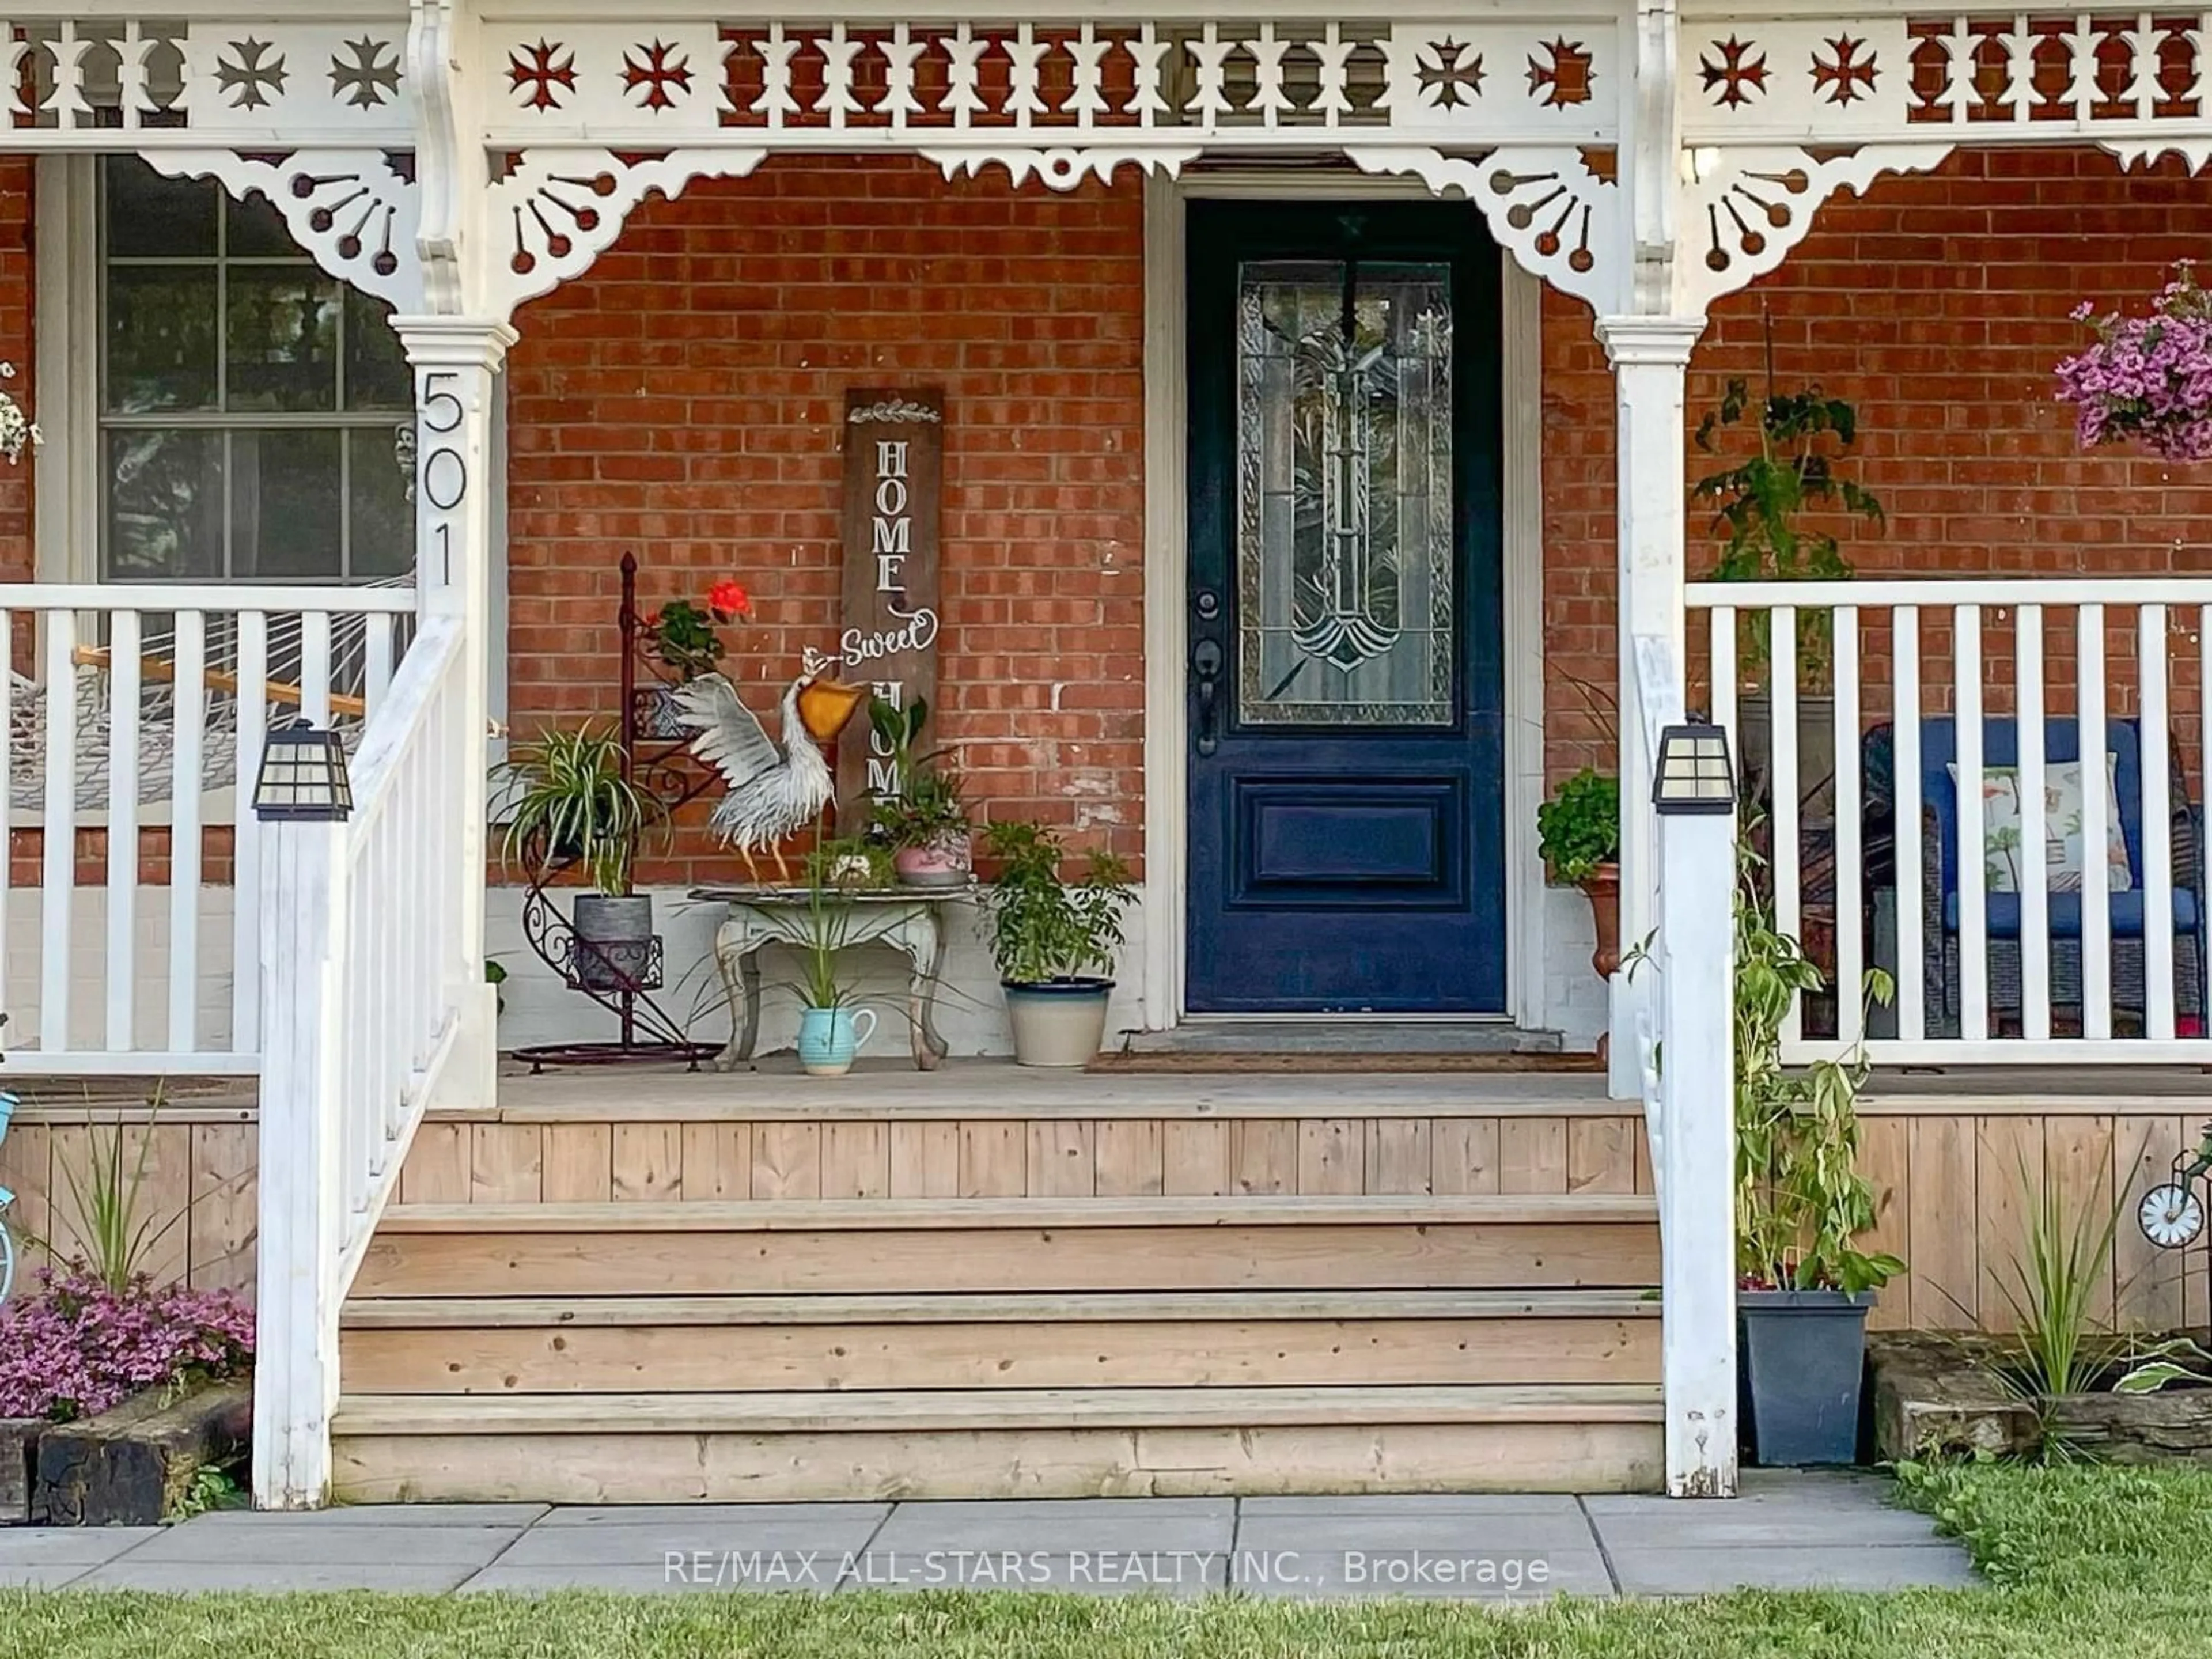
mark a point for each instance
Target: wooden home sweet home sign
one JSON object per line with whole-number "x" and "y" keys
{"x": 894, "y": 496}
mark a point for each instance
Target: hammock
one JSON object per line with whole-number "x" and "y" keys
{"x": 93, "y": 685}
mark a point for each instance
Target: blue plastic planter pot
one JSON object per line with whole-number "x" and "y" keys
{"x": 830, "y": 1037}
{"x": 1804, "y": 1352}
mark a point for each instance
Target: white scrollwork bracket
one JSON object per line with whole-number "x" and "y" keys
{"x": 1744, "y": 209}
{"x": 559, "y": 210}
{"x": 1560, "y": 221}
{"x": 2141, "y": 152}
{"x": 1061, "y": 169}
{"x": 354, "y": 211}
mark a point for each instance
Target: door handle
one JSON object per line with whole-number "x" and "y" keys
{"x": 1205, "y": 663}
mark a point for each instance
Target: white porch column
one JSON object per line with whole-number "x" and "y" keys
{"x": 295, "y": 1321}
{"x": 1650, "y": 356}
{"x": 1697, "y": 1149}
{"x": 457, "y": 362}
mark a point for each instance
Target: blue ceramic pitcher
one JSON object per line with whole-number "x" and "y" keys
{"x": 829, "y": 1038}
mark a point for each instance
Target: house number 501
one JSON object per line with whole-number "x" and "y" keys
{"x": 445, "y": 475}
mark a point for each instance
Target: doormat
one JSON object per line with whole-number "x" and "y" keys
{"x": 1251, "y": 1064}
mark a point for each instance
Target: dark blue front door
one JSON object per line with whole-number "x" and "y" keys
{"x": 1344, "y": 683}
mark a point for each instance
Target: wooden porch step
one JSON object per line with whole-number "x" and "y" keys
{"x": 630, "y": 1447}
{"x": 510, "y": 1345}
{"x": 1014, "y": 1245}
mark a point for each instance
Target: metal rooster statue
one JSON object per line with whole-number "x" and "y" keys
{"x": 773, "y": 792}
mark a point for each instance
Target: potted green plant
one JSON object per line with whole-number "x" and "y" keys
{"x": 1578, "y": 835}
{"x": 1054, "y": 941}
{"x": 832, "y": 1026}
{"x": 1806, "y": 1286}
{"x": 1756, "y": 502}
{"x": 922, "y": 818}
{"x": 569, "y": 799}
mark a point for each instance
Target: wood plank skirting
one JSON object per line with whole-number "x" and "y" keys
{"x": 198, "y": 1197}
{"x": 1952, "y": 1190}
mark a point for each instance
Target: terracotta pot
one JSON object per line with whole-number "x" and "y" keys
{"x": 1602, "y": 888}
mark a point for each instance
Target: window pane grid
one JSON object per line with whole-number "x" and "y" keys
{"x": 212, "y": 468}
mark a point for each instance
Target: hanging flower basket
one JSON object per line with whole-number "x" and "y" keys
{"x": 2146, "y": 379}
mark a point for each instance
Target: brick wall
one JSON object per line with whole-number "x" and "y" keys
{"x": 682, "y": 399}
{"x": 15, "y": 347}
{"x": 1937, "y": 304}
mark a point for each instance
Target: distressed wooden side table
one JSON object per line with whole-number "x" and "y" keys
{"x": 910, "y": 920}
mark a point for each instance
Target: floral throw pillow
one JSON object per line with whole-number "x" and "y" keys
{"x": 2063, "y": 836}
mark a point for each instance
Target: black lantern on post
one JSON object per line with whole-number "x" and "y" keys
{"x": 303, "y": 776}
{"x": 1694, "y": 773}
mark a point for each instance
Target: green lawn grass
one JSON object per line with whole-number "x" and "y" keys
{"x": 2083, "y": 1561}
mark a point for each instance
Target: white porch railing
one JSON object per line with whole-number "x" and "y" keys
{"x": 137, "y": 707}
{"x": 2001, "y": 956}
{"x": 367, "y": 946}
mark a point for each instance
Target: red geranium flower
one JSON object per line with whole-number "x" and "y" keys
{"x": 728, "y": 600}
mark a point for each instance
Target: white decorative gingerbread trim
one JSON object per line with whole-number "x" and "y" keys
{"x": 559, "y": 210}
{"x": 2193, "y": 152}
{"x": 354, "y": 211}
{"x": 893, "y": 411}
{"x": 1560, "y": 221}
{"x": 1061, "y": 169}
{"x": 1745, "y": 208}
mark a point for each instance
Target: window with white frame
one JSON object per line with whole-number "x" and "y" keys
{"x": 250, "y": 408}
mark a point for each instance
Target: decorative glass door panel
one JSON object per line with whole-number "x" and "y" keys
{"x": 1345, "y": 556}
{"x": 1344, "y": 669}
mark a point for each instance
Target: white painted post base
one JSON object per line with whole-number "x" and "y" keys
{"x": 1697, "y": 1151}
{"x": 1650, "y": 357}
{"x": 295, "y": 1372}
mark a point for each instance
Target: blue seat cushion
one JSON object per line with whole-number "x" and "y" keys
{"x": 2002, "y": 911}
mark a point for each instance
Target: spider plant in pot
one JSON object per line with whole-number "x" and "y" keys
{"x": 1801, "y": 1206}
{"x": 920, "y": 816}
{"x": 832, "y": 1027}
{"x": 569, "y": 800}
{"x": 1054, "y": 941}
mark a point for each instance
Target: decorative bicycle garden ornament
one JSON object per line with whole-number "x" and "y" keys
{"x": 2172, "y": 1216}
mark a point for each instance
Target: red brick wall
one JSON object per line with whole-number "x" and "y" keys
{"x": 1937, "y": 304}
{"x": 682, "y": 399}
{"x": 16, "y": 283}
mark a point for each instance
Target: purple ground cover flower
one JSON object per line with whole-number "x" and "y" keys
{"x": 75, "y": 1348}
{"x": 2146, "y": 379}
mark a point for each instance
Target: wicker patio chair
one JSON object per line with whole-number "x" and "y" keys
{"x": 1940, "y": 964}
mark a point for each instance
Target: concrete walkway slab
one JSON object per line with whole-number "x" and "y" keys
{"x": 81, "y": 1546}
{"x": 1662, "y": 1571}
{"x": 285, "y": 1543}
{"x": 1821, "y": 1531}
{"x": 415, "y": 1516}
{"x": 1058, "y": 1525}
{"x": 263, "y": 1577}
